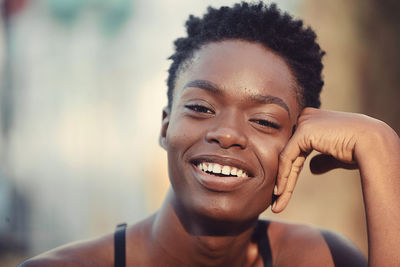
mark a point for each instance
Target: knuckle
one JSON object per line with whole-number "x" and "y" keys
{"x": 289, "y": 192}
{"x": 308, "y": 110}
{"x": 296, "y": 169}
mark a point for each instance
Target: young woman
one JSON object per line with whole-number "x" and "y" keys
{"x": 242, "y": 116}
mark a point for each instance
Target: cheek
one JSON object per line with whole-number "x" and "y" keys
{"x": 180, "y": 135}
{"x": 269, "y": 153}
{"x": 262, "y": 196}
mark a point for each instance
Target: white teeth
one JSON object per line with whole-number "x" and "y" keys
{"x": 224, "y": 169}
{"x": 216, "y": 168}
{"x": 210, "y": 167}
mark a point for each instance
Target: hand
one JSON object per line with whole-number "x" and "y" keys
{"x": 334, "y": 134}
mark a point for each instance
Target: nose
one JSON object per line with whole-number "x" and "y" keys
{"x": 227, "y": 133}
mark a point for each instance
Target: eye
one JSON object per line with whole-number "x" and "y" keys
{"x": 200, "y": 109}
{"x": 266, "y": 123}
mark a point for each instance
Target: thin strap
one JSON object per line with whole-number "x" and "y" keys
{"x": 119, "y": 245}
{"x": 261, "y": 237}
{"x": 342, "y": 255}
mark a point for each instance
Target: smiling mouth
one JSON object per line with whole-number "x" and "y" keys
{"x": 221, "y": 170}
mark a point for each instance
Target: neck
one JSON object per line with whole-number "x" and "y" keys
{"x": 199, "y": 241}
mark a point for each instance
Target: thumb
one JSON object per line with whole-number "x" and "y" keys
{"x": 322, "y": 163}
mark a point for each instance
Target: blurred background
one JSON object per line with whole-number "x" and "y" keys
{"x": 82, "y": 86}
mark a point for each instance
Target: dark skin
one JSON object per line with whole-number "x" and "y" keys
{"x": 236, "y": 105}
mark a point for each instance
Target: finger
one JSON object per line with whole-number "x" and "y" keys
{"x": 286, "y": 159}
{"x": 322, "y": 163}
{"x": 284, "y": 198}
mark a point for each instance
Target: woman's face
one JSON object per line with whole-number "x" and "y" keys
{"x": 233, "y": 111}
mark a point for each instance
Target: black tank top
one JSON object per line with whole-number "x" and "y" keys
{"x": 260, "y": 236}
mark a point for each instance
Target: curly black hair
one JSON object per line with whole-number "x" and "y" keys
{"x": 259, "y": 23}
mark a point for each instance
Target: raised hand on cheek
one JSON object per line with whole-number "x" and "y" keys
{"x": 334, "y": 134}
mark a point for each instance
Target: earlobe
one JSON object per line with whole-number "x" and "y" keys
{"x": 164, "y": 127}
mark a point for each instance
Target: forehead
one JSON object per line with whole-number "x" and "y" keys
{"x": 246, "y": 68}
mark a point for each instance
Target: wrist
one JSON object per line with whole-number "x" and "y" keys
{"x": 377, "y": 141}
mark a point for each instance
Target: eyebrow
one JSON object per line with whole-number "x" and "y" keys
{"x": 203, "y": 84}
{"x": 261, "y": 99}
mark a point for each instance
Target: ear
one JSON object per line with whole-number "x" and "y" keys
{"x": 164, "y": 127}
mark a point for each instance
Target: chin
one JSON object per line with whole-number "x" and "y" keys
{"x": 225, "y": 207}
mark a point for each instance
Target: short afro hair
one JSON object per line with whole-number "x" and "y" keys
{"x": 259, "y": 23}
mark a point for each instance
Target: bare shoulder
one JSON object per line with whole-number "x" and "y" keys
{"x": 94, "y": 252}
{"x": 310, "y": 246}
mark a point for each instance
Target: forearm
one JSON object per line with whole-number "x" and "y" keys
{"x": 378, "y": 156}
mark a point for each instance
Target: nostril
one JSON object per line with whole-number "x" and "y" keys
{"x": 226, "y": 138}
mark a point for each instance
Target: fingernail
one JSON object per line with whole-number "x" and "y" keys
{"x": 275, "y": 190}
{"x": 274, "y": 205}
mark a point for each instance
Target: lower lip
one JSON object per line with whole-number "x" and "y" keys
{"x": 219, "y": 183}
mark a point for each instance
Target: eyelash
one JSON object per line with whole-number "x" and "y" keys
{"x": 266, "y": 123}
{"x": 203, "y": 109}
{"x": 200, "y": 109}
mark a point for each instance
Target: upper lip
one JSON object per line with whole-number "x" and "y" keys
{"x": 224, "y": 160}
